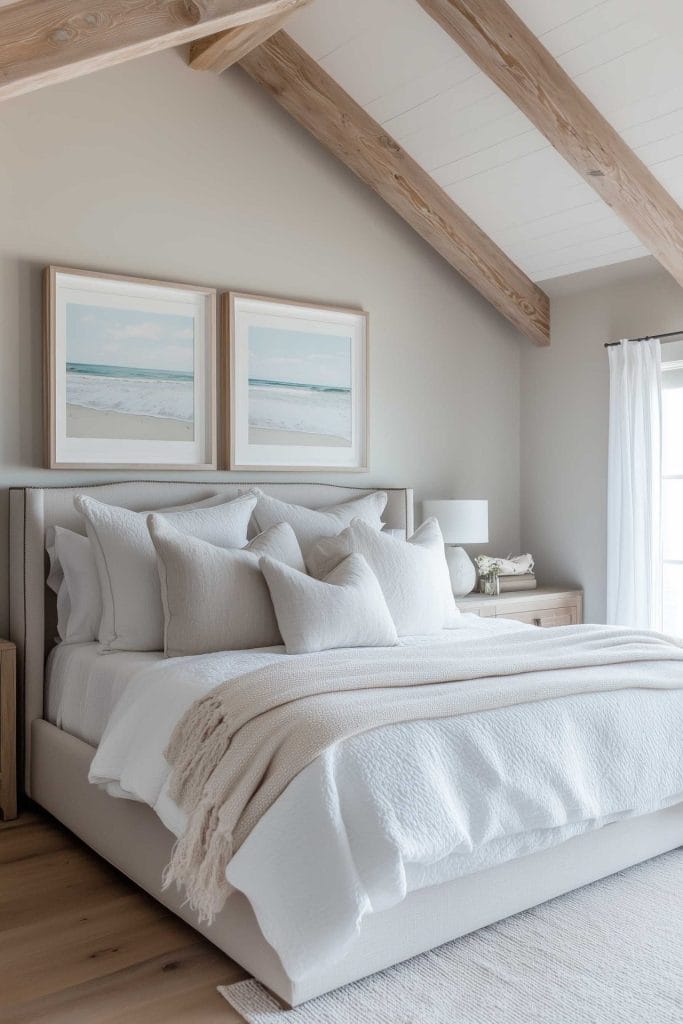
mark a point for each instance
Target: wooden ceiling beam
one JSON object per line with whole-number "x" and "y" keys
{"x": 502, "y": 46}
{"x": 43, "y": 42}
{"x": 320, "y": 105}
{"x": 219, "y": 52}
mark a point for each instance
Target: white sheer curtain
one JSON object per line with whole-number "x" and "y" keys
{"x": 634, "y": 485}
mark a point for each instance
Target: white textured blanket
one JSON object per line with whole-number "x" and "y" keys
{"x": 236, "y": 750}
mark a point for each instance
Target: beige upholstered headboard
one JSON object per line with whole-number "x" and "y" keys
{"x": 34, "y": 509}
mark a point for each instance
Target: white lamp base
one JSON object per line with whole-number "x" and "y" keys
{"x": 462, "y": 571}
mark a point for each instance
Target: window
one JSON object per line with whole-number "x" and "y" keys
{"x": 672, "y": 495}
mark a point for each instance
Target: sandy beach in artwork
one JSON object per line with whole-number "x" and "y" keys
{"x": 82, "y": 422}
{"x": 263, "y": 435}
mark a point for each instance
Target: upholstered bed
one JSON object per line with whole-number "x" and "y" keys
{"x": 131, "y": 836}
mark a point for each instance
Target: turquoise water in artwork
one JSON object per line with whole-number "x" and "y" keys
{"x": 130, "y": 372}
{"x": 257, "y": 382}
{"x": 131, "y": 389}
{"x": 317, "y": 409}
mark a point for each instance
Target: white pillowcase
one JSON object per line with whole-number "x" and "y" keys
{"x": 310, "y": 525}
{"x": 413, "y": 574}
{"x": 73, "y": 574}
{"x": 83, "y": 601}
{"x": 55, "y": 576}
{"x": 55, "y": 581}
{"x": 132, "y": 613}
{"x": 347, "y": 609}
{"x": 216, "y": 599}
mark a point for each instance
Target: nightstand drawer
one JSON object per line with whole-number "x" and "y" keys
{"x": 544, "y": 606}
{"x": 544, "y": 617}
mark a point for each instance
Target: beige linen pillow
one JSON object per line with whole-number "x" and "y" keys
{"x": 346, "y": 609}
{"x": 413, "y": 574}
{"x": 215, "y": 599}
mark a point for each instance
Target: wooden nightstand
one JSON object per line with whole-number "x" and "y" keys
{"x": 8, "y": 730}
{"x": 545, "y": 606}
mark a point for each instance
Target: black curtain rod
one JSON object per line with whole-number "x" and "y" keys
{"x": 648, "y": 337}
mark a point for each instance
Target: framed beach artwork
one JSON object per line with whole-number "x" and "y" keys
{"x": 130, "y": 377}
{"x": 297, "y": 384}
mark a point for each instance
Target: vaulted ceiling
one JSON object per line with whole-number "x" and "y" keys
{"x": 406, "y": 71}
{"x": 522, "y": 140}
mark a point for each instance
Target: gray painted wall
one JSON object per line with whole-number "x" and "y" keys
{"x": 153, "y": 169}
{"x": 564, "y": 417}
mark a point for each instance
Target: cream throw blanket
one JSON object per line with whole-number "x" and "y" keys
{"x": 237, "y": 749}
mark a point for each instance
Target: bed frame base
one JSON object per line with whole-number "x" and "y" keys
{"x": 131, "y": 837}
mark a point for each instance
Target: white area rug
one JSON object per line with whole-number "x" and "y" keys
{"x": 611, "y": 953}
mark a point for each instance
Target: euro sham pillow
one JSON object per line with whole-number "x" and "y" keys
{"x": 413, "y": 574}
{"x": 216, "y": 599}
{"x": 346, "y": 609}
{"x": 310, "y": 525}
{"x": 79, "y": 602}
{"x": 73, "y": 575}
{"x": 132, "y": 613}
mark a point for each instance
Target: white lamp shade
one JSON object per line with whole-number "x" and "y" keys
{"x": 461, "y": 522}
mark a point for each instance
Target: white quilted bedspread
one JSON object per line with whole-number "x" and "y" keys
{"x": 407, "y": 806}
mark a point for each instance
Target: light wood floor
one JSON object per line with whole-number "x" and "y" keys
{"x": 80, "y": 944}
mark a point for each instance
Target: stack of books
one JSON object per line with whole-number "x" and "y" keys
{"x": 523, "y": 581}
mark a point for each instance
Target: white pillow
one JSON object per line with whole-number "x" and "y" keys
{"x": 55, "y": 581}
{"x": 84, "y": 601}
{"x": 413, "y": 574}
{"x": 79, "y": 603}
{"x": 347, "y": 609}
{"x": 216, "y": 599}
{"x": 310, "y": 525}
{"x": 132, "y": 614}
{"x": 55, "y": 576}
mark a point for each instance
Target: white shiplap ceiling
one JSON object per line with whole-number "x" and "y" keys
{"x": 625, "y": 55}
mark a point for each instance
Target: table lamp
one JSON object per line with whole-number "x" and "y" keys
{"x": 461, "y": 522}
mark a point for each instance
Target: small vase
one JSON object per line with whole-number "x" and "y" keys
{"x": 489, "y": 585}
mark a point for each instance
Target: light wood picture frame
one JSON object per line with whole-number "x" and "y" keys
{"x": 130, "y": 374}
{"x": 295, "y": 379}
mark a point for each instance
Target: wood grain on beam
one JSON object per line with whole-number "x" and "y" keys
{"x": 219, "y": 52}
{"x": 47, "y": 41}
{"x": 315, "y": 100}
{"x": 499, "y": 42}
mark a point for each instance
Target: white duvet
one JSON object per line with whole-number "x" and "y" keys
{"x": 406, "y": 806}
